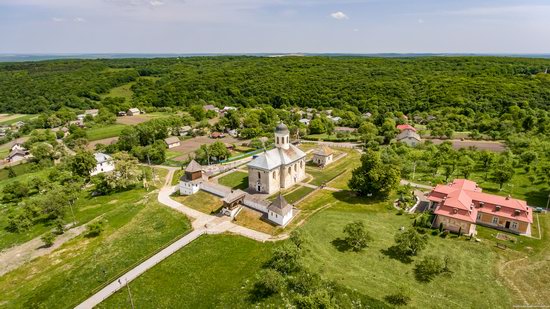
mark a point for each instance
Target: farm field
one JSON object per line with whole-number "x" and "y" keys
{"x": 62, "y": 279}
{"x": 8, "y": 119}
{"x": 100, "y": 133}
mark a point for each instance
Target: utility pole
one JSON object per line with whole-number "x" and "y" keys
{"x": 130, "y": 294}
{"x": 548, "y": 203}
{"x": 414, "y": 169}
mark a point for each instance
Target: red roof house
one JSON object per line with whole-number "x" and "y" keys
{"x": 403, "y": 127}
{"x": 460, "y": 205}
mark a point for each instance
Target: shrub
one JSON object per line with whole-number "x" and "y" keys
{"x": 357, "y": 237}
{"x": 48, "y": 239}
{"x": 95, "y": 228}
{"x": 268, "y": 283}
{"x": 429, "y": 267}
{"x": 398, "y": 299}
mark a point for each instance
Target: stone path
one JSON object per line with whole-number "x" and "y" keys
{"x": 202, "y": 224}
{"x": 16, "y": 256}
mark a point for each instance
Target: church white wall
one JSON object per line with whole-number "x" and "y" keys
{"x": 278, "y": 219}
{"x": 188, "y": 188}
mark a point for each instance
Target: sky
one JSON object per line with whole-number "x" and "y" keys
{"x": 274, "y": 26}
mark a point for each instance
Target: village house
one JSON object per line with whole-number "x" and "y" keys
{"x": 408, "y": 135}
{"x": 334, "y": 119}
{"x": 323, "y": 156}
{"x": 104, "y": 163}
{"x": 190, "y": 181}
{"x": 280, "y": 211}
{"x": 172, "y": 142}
{"x": 460, "y": 205}
{"x": 217, "y": 135}
{"x": 305, "y": 121}
{"x": 133, "y": 112}
{"x": 185, "y": 130}
{"x": 18, "y": 125}
{"x": 278, "y": 168}
{"x": 121, "y": 114}
{"x": 211, "y": 107}
{"x": 91, "y": 112}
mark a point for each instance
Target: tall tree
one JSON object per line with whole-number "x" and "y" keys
{"x": 373, "y": 177}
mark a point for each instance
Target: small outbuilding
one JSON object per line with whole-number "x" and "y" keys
{"x": 172, "y": 142}
{"x": 280, "y": 211}
{"x": 323, "y": 156}
{"x": 17, "y": 155}
{"x": 133, "y": 111}
{"x": 232, "y": 203}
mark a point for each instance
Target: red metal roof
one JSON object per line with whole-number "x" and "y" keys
{"x": 462, "y": 199}
{"x": 403, "y": 127}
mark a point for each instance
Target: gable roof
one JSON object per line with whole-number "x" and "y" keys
{"x": 323, "y": 150}
{"x": 193, "y": 167}
{"x": 280, "y": 206}
{"x": 101, "y": 157}
{"x": 402, "y": 127}
{"x": 276, "y": 157}
{"x": 17, "y": 152}
{"x": 171, "y": 140}
{"x": 407, "y": 134}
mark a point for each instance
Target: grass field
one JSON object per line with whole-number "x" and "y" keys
{"x": 252, "y": 219}
{"x": 177, "y": 176}
{"x": 293, "y": 194}
{"x": 235, "y": 180}
{"x": 19, "y": 170}
{"x": 123, "y": 91}
{"x": 104, "y": 132}
{"x": 374, "y": 273}
{"x": 201, "y": 201}
{"x": 62, "y": 279}
{"x": 212, "y": 272}
{"x": 323, "y": 175}
{"x": 11, "y": 119}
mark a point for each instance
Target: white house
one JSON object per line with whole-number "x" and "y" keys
{"x": 104, "y": 163}
{"x": 183, "y": 131}
{"x": 408, "y": 135}
{"x": 172, "y": 142}
{"x": 280, "y": 212}
{"x": 278, "y": 168}
{"x": 133, "y": 111}
{"x": 17, "y": 155}
{"x": 323, "y": 156}
{"x": 334, "y": 119}
{"x": 305, "y": 121}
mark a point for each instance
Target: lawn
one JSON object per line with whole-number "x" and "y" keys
{"x": 331, "y": 171}
{"x": 214, "y": 271}
{"x": 235, "y": 180}
{"x": 332, "y": 137}
{"x": 177, "y": 176}
{"x": 134, "y": 230}
{"x": 374, "y": 273}
{"x": 202, "y": 201}
{"x": 252, "y": 219}
{"x": 98, "y": 133}
{"x": 11, "y": 119}
{"x": 293, "y": 194}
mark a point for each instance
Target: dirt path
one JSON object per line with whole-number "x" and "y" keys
{"x": 502, "y": 269}
{"x": 19, "y": 255}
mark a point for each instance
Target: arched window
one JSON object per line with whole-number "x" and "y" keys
{"x": 274, "y": 174}
{"x": 301, "y": 164}
{"x": 277, "y": 140}
{"x": 259, "y": 175}
{"x": 295, "y": 167}
{"x": 289, "y": 170}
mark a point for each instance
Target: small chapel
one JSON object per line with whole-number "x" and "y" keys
{"x": 278, "y": 168}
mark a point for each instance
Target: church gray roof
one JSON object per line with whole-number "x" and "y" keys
{"x": 276, "y": 157}
{"x": 281, "y": 128}
{"x": 280, "y": 206}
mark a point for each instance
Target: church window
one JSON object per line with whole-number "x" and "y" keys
{"x": 301, "y": 164}
{"x": 274, "y": 174}
{"x": 295, "y": 167}
{"x": 277, "y": 140}
{"x": 259, "y": 175}
{"x": 289, "y": 170}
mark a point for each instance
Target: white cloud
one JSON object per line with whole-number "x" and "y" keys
{"x": 57, "y": 19}
{"x": 79, "y": 19}
{"x": 339, "y": 15}
{"x": 156, "y": 3}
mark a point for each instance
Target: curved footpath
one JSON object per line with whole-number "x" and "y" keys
{"x": 202, "y": 224}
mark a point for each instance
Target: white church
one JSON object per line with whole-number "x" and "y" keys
{"x": 278, "y": 168}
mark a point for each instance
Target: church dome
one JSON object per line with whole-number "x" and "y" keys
{"x": 281, "y": 128}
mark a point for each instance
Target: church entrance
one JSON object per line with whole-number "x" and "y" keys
{"x": 258, "y": 187}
